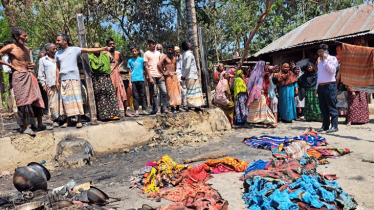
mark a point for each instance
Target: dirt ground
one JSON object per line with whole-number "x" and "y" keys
{"x": 111, "y": 172}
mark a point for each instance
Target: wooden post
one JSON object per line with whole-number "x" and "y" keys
{"x": 204, "y": 67}
{"x": 87, "y": 69}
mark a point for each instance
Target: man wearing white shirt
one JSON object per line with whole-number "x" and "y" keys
{"x": 47, "y": 79}
{"x": 190, "y": 76}
{"x": 326, "y": 89}
{"x": 179, "y": 74}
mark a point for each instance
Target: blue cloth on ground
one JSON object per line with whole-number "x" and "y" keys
{"x": 264, "y": 193}
{"x": 260, "y": 164}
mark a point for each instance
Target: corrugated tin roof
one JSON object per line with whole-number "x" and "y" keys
{"x": 351, "y": 22}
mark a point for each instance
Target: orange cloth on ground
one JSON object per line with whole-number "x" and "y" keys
{"x": 230, "y": 163}
{"x": 173, "y": 89}
{"x": 357, "y": 65}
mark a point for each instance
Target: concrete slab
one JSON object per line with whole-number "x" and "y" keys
{"x": 108, "y": 137}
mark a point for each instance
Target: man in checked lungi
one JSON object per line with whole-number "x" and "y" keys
{"x": 25, "y": 85}
{"x": 68, "y": 79}
{"x": 47, "y": 79}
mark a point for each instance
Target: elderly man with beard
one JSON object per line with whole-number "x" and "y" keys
{"x": 47, "y": 79}
{"x": 167, "y": 64}
{"x": 25, "y": 85}
{"x": 182, "y": 84}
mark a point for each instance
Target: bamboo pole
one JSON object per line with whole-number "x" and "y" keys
{"x": 87, "y": 69}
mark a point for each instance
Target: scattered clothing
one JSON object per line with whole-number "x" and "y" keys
{"x": 267, "y": 142}
{"x": 227, "y": 164}
{"x": 293, "y": 184}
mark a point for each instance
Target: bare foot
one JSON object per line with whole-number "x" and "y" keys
{"x": 348, "y": 123}
{"x": 128, "y": 115}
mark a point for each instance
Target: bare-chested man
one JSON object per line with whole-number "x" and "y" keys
{"x": 26, "y": 89}
{"x": 116, "y": 62}
{"x": 168, "y": 65}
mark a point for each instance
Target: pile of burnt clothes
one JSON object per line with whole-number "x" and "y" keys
{"x": 296, "y": 147}
{"x": 292, "y": 184}
{"x": 290, "y": 179}
{"x": 184, "y": 185}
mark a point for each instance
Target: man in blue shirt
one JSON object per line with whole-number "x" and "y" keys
{"x": 136, "y": 76}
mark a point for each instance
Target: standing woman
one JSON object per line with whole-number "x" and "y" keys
{"x": 308, "y": 81}
{"x": 288, "y": 89}
{"x": 223, "y": 97}
{"x": 299, "y": 99}
{"x": 105, "y": 96}
{"x": 240, "y": 98}
{"x": 259, "y": 112}
{"x": 358, "y": 110}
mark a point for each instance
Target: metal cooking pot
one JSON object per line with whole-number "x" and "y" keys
{"x": 97, "y": 196}
{"x": 28, "y": 179}
{"x": 30, "y": 206}
{"x": 41, "y": 169}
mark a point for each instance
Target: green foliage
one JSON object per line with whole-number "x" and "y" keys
{"x": 229, "y": 23}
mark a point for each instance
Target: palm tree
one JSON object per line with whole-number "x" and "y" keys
{"x": 192, "y": 31}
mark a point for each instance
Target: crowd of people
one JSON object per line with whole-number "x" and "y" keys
{"x": 267, "y": 93}
{"x": 173, "y": 74}
{"x": 264, "y": 94}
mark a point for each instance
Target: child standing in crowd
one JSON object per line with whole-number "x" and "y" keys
{"x": 136, "y": 76}
{"x": 299, "y": 99}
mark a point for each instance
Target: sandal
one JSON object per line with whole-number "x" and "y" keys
{"x": 79, "y": 125}
{"x": 29, "y": 132}
{"x": 65, "y": 125}
{"x": 136, "y": 115}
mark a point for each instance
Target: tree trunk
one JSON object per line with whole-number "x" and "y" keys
{"x": 179, "y": 19}
{"x": 192, "y": 31}
{"x": 10, "y": 14}
{"x": 259, "y": 23}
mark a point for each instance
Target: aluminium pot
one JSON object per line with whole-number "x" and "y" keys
{"x": 28, "y": 179}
